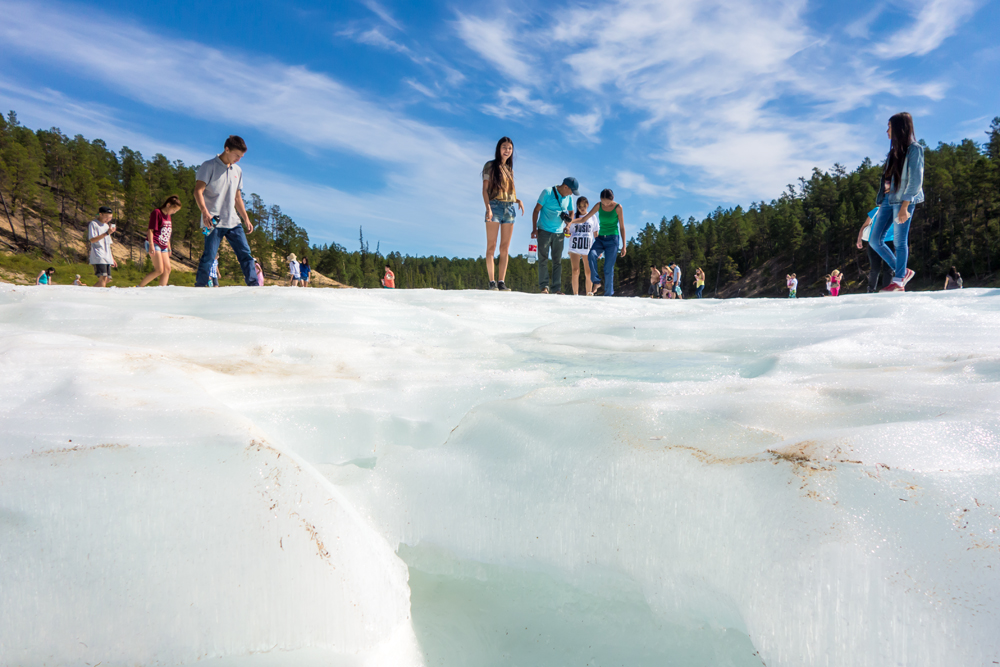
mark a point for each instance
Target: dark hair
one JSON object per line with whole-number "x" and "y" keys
{"x": 305, "y": 260}
{"x": 236, "y": 143}
{"x": 606, "y": 193}
{"x": 581, "y": 199}
{"x": 953, "y": 273}
{"x": 901, "y": 125}
{"x": 172, "y": 200}
{"x": 498, "y": 177}
{"x": 52, "y": 269}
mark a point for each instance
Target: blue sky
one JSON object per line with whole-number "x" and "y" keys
{"x": 381, "y": 114}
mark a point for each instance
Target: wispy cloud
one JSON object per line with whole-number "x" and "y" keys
{"x": 517, "y": 102}
{"x": 379, "y": 10}
{"x": 491, "y": 39}
{"x": 638, "y": 183}
{"x": 374, "y": 37}
{"x": 934, "y": 22}
{"x": 588, "y": 124}
{"x": 713, "y": 80}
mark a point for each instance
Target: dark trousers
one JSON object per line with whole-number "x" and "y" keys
{"x": 550, "y": 243}
{"x": 238, "y": 242}
{"x": 877, "y": 267}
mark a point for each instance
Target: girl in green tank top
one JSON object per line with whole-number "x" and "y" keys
{"x": 610, "y": 214}
{"x": 610, "y": 241}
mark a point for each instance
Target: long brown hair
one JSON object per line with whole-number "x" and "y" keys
{"x": 901, "y": 126}
{"x": 500, "y": 173}
{"x": 172, "y": 200}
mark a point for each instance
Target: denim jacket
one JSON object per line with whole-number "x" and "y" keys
{"x": 911, "y": 187}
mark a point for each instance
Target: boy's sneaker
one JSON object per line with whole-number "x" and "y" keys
{"x": 502, "y": 287}
{"x": 893, "y": 287}
{"x": 493, "y": 286}
{"x": 908, "y": 276}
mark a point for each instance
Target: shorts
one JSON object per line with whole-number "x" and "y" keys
{"x": 294, "y": 276}
{"x": 677, "y": 288}
{"x": 503, "y": 211}
{"x": 101, "y": 270}
{"x": 156, "y": 248}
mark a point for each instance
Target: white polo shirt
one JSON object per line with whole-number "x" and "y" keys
{"x": 221, "y": 185}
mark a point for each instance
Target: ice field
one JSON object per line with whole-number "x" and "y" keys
{"x": 275, "y": 476}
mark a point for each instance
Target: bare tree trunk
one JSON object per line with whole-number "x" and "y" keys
{"x": 9, "y": 221}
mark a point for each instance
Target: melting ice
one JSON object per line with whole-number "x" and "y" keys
{"x": 287, "y": 476}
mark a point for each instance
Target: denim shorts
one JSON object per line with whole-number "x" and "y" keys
{"x": 503, "y": 211}
{"x": 156, "y": 248}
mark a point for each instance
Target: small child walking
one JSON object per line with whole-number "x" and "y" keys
{"x": 792, "y": 282}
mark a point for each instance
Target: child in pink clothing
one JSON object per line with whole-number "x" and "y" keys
{"x": 835, "y": 282}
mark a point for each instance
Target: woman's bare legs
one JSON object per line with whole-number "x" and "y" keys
{"x": 506, "y": 232}
{"x": 586, "y": 270}
{"x": 165, "y": 267}
{"x": 157, "y": 258}
{"x": 492, "y": 229}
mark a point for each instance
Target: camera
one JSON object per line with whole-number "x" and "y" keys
{"x": 565, "y": 216}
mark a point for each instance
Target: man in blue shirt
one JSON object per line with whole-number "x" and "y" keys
{"x": 552, "y": 211}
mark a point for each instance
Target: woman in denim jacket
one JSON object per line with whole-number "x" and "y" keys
{"x": 900, "y": 190}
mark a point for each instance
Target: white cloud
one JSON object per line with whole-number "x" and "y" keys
{"x": 638, "y": 183}
{"x": 517, "y": 102}
{"x": 935, "y": 21}
{"x": 306, "y": 108}
{"x": 380, "y": 11}
{"x": 741, "y": 93}
{"x": 493, "y": 40}
{"x": 587, "y": 124}
{"x": 374, "y": 37}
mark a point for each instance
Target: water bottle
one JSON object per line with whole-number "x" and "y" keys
{"x": 532, "y": 251}
{"x": 215, "y": 221}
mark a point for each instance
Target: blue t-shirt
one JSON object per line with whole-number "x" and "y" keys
{"x": 871, "y": 214}
{"x": 304, "y": 271}
{"x": 552, "y": 203}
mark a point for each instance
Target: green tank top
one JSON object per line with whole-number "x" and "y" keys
{"x": 609, "y": 221}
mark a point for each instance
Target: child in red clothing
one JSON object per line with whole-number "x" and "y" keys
{"x": 835, "y": 277}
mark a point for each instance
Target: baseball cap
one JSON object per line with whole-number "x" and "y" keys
{"x": 105, "y": 209}
{"x": 572, "y": 184}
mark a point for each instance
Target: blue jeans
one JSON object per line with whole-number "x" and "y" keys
{"x": 609, "y": 246}
{"x": 887, "y": 215}
{"x": 238, "y": 242}
{"x": 503, "y": 211}
{"x": 700, "y": 290}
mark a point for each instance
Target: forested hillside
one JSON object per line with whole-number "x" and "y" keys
{"x": 57, "y": 182}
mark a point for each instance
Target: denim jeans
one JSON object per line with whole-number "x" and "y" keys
{"x": 238, "y": 242}
{"x": 503, "y": 211}
{"x": 609, "y": 246}
{"x": 701, "y": 288}
{"x": 550, "y": 241}
{"x": 887, "y": 215}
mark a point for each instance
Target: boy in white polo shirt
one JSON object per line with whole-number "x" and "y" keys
{"x": 218, "y": 193}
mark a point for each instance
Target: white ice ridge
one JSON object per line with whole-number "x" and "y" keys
{"x": 194, "y": 474}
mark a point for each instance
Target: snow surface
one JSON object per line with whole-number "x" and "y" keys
{"x": 278, "y": 476}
